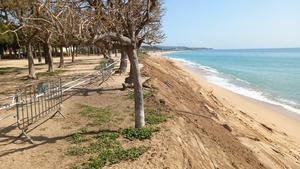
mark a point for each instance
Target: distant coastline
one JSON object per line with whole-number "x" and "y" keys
{"x": 172, "y": 48}
{"x": 184, "y": 48}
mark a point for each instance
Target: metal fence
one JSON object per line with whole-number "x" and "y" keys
{"x": 98, "y": 76}
{"x": 37, "y": 101}
{"x": 32, "y": 103}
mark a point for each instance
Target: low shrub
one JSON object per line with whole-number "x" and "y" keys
{"x": 139, "y": 133}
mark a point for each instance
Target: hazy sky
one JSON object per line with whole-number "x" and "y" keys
{"x": 232, "y": 23}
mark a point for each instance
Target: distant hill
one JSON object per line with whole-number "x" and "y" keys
{"x": 168, "y": 48}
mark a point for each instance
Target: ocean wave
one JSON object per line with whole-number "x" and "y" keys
{"x": 254, "y": 94}
{"x": 196, "y": 65}
{"x": 228, "y": 82}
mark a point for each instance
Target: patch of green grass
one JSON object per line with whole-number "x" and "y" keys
{"x": 77, "y": 138}
{"x": 153, "y": 117}
{"x": 98, "y": 115}
{"x": 6, "y": 70}
{"x": 139, "y": 133}
{"x": 101, "y": 64}
{"x": 108, "y": 135}
{"x": 105, "y": 139}
{"x": 146, "y": 94}
{"x": 108, "y": 157}
{"x": 131, "y": 95}
{"x": 135, "y": 152}
{"x": 55, "y": 73}
{"x": 75, "y": 151}
{"x": 108, "y": 151}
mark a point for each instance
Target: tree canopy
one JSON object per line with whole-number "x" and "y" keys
{"x": 119, "y": 24}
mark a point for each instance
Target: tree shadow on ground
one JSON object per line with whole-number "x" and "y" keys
{"x": 42, "y": 140}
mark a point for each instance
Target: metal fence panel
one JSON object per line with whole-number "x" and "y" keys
{"x": 31, "y": 103}
{"x": 37, "y": 101}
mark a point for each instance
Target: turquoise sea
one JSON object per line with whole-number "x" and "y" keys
{"x": 268, "y": 75}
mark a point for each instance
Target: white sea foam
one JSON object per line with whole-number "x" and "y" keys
{"x": 227, "y": 82}
{"x": 195, "y": 65}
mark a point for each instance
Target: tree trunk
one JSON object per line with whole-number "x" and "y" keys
{"x": 61, "y": 59}
{"x": 31, "y": 68}
{"x": 55, "y": 51}
{"x": 129, "y": 79}
{"x": 16, "y": 53}
{"x": 19, "y": 53}
{"x": 76, "y": 51}
{"x": 109, "y": 54}
{"x": 1, "y": 52}
{"x": 138, "y": 88}
{"x": 34, "y": 52}
{"x": 68, "y": 51}
{"x": 73, "y": 53}
{"x": 50, "y": 58}
{"x": 45, "y": 51}
{"x": 10, "y": 52}
{"x": 123, "y": 63}
{"x": 39, "y": 54}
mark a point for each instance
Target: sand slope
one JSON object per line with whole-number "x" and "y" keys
{"x": 214, "y": 133}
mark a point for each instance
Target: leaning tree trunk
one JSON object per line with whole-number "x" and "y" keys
{"x": 61, "y": 58}
{"x": 129, "y": 79}
{"x": 123, "y": 63}
{"x": 31, "y": 68}
{"x": 138, "y": 88}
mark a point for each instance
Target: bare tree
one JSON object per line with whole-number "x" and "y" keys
{"x": 123, "y": 23}
{"x": 129, "y": 23}
{"x": 17, "y": 14}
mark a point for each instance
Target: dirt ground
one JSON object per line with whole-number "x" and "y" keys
{"x": 10, "y": 81}
{"x": 200, "y": 133}
{"x": 51, "y": 137}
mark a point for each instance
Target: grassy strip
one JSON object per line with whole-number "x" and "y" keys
{"x": 77, "y": 138}
{"x": 154, "y": 117}
{"x": 108, "y": 157}
{"x": 98, "y": 115}
{"x": 107, "y": 149}
{"x": 6, "y": 70}
{"x": 75, "y": 151}
{"x": 139, "y": 133}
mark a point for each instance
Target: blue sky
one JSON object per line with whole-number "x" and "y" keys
{"x": 232, "y": 23}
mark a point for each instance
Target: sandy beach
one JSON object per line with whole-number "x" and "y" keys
{"x": 268, "y": 130}
{"x": 272, "y": 115}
